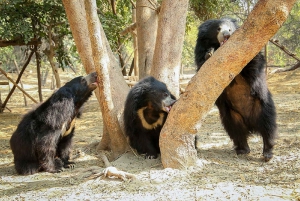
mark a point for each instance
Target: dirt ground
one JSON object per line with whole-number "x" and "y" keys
{"x": 219, "y": 174}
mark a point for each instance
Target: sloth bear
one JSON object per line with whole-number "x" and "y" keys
{"x": 245, "y": 105}
{"x": 145, "y": 112}
{"x": 42, "y": 140}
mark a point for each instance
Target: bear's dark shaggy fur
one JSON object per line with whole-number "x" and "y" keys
{"x": 42, "y": 140}
{"x": 146, "y": 109}
{"x": 245, "y": 105}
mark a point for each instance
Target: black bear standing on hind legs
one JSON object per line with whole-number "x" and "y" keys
{"x": 146, "y": 109}
{"x": 245, "y": 105}
{"x": 42, "y": 140}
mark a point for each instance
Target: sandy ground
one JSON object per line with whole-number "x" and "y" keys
{"x": 219, "y": 174}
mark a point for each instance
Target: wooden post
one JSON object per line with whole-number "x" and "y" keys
{"x": 38, "y": 70}
{"x": 17, "y": 81}
{"x": 15, "y": 84}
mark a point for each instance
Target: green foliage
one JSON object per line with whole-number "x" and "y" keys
{"x": 112, "y": 23}
{"x": 208, "y": 9}
{"x": 28, "y": 19}
{"x": 24, "y": 20}
{"x": 288, "y": 35}
{"x": 5, "y": 56}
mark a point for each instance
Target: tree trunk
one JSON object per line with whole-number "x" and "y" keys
{"x": 76, "y": 16}
{"x": 134, "y": 38}
{"x": 169, "y": 43}
{"x": 177, "y": 139}
{"x": 112, "y": 90}
{"x": 146, "y": 18}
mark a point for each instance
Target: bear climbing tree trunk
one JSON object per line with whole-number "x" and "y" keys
{"x": 178, "y": 134}
{"x": 112, "y": 90}
{"x": 169, "y": 43}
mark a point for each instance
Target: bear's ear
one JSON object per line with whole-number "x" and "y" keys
{"x": 233, "y": 20}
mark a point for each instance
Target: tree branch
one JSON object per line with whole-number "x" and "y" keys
{"x": 18, "y": 42}
{"x": 279, "y": 70}
{"x": 128, "y": 29}
{"x": 283, "y": 48}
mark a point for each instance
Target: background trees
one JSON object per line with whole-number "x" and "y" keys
{"x": 17, "y": 18}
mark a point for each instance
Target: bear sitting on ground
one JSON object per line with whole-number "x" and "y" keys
{"x": 145, "y": 112}
{"x": 42, "y": 140}
{"x": 245, "y": 105}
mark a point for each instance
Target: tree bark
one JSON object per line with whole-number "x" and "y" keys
{"x": 76, "y": 16}
{"x": 169, "y": 43}
{"x": 146, "y": 19}
{"x": 112, "y": 90}
{"x": 177, "y": 139}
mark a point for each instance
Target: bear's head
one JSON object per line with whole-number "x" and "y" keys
{"x": 155, "y": 95}
{"x": 79, "y": 89}
{"x": 214, "y": 33}
{"x": 82, "y": 86}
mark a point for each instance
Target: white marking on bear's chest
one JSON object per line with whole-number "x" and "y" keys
{"x": 64, "y": 131}
{"x": 145, "y": 124}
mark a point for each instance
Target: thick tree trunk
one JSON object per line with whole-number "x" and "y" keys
{"x": 76, "y": 16}
{"x": 178, "y": 134}
{"x": 146, "y": 17}
{"x": 112, "y": 89}
{"x": 169, "y": 43}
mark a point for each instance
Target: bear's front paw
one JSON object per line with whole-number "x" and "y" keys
{"x": 240, "y": 151}
{"x": 150, "y": 156}
{"x": 268, "y": 156}
{"x": 70, "y": 165}
{"x": 209, "y": 53}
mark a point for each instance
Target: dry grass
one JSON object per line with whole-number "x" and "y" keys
{"x": 219, "y": 174}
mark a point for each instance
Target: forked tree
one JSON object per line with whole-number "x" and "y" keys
{"x": 178, "y": 134}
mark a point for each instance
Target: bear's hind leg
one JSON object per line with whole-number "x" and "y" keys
{"x": 46, "y": 151}
{"x": 144, "y": 145}
{"x": 64, "y": 149}
{"x": 26, "y": 167}
{"x": 267, "y": 127}
{"x": 236, "y": 129}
